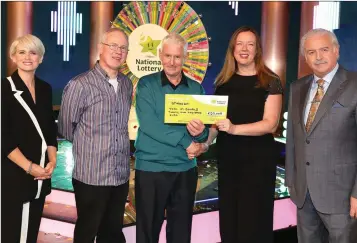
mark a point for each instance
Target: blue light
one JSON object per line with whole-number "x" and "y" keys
{"x": 67, "y": 23}
{"x": 207, "y": 200}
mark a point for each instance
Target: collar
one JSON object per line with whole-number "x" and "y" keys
{"x": 328, "y": 77}
{"x": 19, "y": 83}
{"x": 165, "y": 80}
{"x": 98, "y": 69}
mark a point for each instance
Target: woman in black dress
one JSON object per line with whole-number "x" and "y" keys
{"x": 28, "y": 143}
{"x": 246, "y": 150}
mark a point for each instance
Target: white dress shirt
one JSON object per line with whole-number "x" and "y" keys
{"x": 313, "y": 89}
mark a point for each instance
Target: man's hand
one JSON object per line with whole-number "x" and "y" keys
{"x": 194, "y": 150}
{"x": 195, "y": 127}
{"x": 205, "y": 147}
{"x": 353, "y": 211}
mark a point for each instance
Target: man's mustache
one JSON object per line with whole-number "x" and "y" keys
{"x": 320, "y": 62}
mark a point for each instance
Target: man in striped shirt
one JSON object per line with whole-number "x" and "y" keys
{"x": 94, "y": 116}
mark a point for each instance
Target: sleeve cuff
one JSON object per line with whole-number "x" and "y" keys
{"x": 202, "y": 137}
{"x": 8, "y": 149}
{"x": 185, "y": 141}
{"x": 53, "y": 144}
{"x": 354, "y": 192}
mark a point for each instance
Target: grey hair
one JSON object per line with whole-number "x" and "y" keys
{"x": 177, "y": 39}
{"x": 30, "y": 42}
{"x": 318, "y": 31}
{"x": 111, "y": 30}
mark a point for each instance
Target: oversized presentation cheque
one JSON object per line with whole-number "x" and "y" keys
{"x": 183, "y": 108}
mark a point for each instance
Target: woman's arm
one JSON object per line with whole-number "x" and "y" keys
{"x": 33, "y": 169}
{"x": 9, "y": 144}
{"x": 52, "y": 154}
{"x": 267, "y": 125}
{"x": 213, "y": 132}
{"x": 19, "y": 158}
{"x": 51, "y": 165}
{"x": 51, "y": 138}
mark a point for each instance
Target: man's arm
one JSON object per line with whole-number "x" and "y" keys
{"x": 354, "y": 188}
{"x": 353, "y": 200}
{"x": 150, "y": 124}
{"x": 72, "y": 108}
{"x": 290, "y": 147}
{"x": 194, "y": 127}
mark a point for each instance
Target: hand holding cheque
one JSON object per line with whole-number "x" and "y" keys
{"x": 195, "y": 111}
{"x": 183, "y": 108}
{"x": 225, "y": 125}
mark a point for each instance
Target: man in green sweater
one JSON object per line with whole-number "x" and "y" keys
{"x": 166, "y": 173}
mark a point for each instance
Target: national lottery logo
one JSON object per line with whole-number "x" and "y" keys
{"x": 144, "y": 44}
{"x": 147, "y": 22}
{"x": 149, "y": 45}
{"x": 218, "y": 102}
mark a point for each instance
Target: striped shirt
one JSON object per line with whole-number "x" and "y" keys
{"x": 95, "y": 119}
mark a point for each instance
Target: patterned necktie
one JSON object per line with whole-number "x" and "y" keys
{"x": 315, "y": 103}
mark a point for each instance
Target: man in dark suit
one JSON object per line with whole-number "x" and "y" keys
{"x": 321, "y": 160}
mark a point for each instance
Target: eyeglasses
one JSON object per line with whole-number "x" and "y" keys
{"x": 115, "y": 47}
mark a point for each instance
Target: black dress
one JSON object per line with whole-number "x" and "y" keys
{"x": 246, "y": 165}
{"x": 18, "y": 130}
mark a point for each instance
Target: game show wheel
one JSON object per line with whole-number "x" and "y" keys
{"x": 146, "y": 23}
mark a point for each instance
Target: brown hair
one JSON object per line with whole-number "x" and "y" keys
{"x": 265, "y": 75}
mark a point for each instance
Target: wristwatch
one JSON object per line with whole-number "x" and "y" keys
{"x": 205, "y": 146}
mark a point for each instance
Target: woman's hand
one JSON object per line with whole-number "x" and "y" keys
{"x": 50, "y": 167}
{"x": 46, "y": 172}
{"x": 38, "y": 172}
{"x": 225, "y": 126}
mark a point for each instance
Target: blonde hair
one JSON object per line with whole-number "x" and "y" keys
{"x": 176, "y": 39}
{"x": 30, "y": 42}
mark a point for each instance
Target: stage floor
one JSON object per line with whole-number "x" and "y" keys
{"x": 60, "y": 213}
{"x": 206, "y": 197}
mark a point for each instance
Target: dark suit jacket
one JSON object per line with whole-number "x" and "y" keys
{"x": 18, "y": 130}
{"x": 324, "y": 160}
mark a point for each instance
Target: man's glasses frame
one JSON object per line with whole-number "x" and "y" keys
{"x": 115, "y": 47}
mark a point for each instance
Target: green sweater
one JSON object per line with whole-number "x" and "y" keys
{"x": 160, "y": 146}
